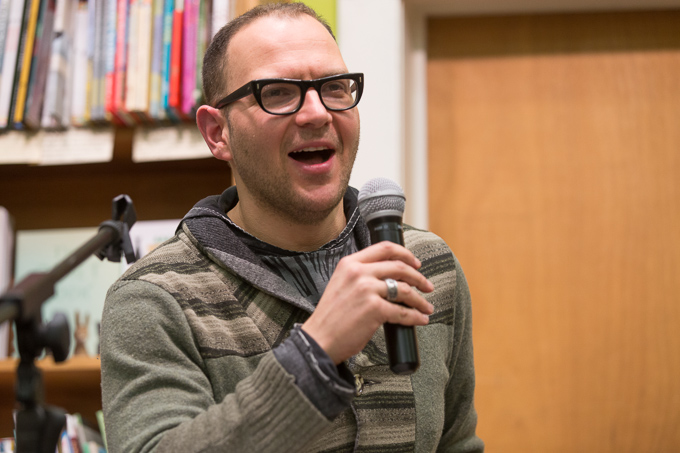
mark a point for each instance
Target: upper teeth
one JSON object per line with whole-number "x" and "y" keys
{"x": 315, "y": 148}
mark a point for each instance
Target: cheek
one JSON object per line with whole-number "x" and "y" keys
{"x": 347, "y": 124}
{"x": 250, "y": 130}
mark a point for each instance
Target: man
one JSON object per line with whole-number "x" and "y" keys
{"x": 257, "y": 327}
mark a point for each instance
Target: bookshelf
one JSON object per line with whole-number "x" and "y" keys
{"x": 80, "y": 195}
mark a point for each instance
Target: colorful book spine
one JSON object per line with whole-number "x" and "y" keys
{"x": 131, "y": 71}
{"x": 9, "y": 58}
{"x": 97, "y": 95}
{"x": 156, "y": 62}
{"x": 7, "y": 444}
{"x": 40, "y": 64}
{"x": 110, "y": 59}
{"x": 168, "y": 16}
{"x": 81, "y": 67}
{"x": 55, "y": 108}
{"x": 4, "y": 20}
{"x": 189, "y": 44}
{"x": 144, "y": 42}
{"x": 221, "y": 14}
{"x": 23, "y": 65}
{"x": 121, "y": 64}
{"x": 175, "y": 89}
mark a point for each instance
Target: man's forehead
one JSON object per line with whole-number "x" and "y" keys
{"x": 273, "y": 42}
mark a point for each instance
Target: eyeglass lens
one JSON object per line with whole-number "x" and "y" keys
{"x": 283, "y": 97}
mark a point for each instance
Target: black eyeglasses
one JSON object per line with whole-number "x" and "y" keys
{"x": 285, "y": 96}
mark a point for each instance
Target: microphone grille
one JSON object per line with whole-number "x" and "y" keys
{"x": 381, "y": 197}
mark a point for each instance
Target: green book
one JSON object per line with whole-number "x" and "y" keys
{"x": 100, "y": 421}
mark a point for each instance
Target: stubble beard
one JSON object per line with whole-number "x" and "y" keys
{"x": 272, "y": 191}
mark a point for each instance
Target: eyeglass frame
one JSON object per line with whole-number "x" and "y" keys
{"x": 254, "y": 87}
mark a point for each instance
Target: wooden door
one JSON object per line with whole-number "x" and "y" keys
{"x": 554, "y": 175}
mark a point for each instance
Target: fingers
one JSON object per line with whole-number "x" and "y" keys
{"x": 387, "y": 251}
{"x": 399, "y": 314}
{"x": 389, "y": 260}
{"x": 401, "y": 272}
{"x": 407, "y": 296}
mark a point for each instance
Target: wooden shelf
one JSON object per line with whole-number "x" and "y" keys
{"x": 73, "y": 385}
{"x": 67, "y": 196}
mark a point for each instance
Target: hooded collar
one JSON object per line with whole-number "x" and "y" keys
{"x": 209, "y": 228}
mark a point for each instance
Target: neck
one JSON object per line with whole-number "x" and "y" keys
{"x": 287, "y": 233}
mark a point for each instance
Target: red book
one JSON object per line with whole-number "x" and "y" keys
{"x": 175, "y": 89}
{"x": 117, "y": 107}
{"x": 190, "y": 42}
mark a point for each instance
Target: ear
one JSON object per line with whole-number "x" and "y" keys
{"x": 213, "y": 127}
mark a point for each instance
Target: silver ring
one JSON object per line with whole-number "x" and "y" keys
{"x": 392, "y": 289}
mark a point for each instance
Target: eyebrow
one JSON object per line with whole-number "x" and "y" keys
{"x": 323, "y": 74}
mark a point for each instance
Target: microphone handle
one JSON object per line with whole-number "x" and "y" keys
{"x": 402, "y": 343}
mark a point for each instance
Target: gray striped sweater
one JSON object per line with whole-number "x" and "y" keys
{"x": 187, "y": 362}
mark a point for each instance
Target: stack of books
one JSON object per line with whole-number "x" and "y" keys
{"x": 66, "y": 63}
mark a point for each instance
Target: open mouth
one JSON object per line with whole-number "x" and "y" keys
{"x": 312, "y": 156}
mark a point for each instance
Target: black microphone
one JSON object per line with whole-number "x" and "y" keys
{"x": 381, "y": 204}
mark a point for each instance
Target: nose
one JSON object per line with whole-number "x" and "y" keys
{"x": 312, "y": 113}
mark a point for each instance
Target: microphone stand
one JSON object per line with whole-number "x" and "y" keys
{"x": 38, "y": 426}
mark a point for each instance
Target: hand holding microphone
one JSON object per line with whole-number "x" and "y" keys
{"x": 381, "y": 204}
{"x": 355, "y": 303}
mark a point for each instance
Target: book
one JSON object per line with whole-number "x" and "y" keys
{"x": 64, "y": 443}
{"x": 89, "y": 438}
{"x": 97, "y": 60}
{"x": 56, "y": 106}
{"x": 132, "y": 68}
{"x": 100, "y": 421}
{"x": 155, "y": 111}
{"x": 25, "y": 59}
{"x": 138, "y": 96}
{"x": 189, "y": 44}
{"x": 38, "y": 80}
{"x": 221, "y": 14}
{"x": 146, "y": 28}
{"x": 81, "y": 64}
{"x": 121, "y": 62}
{"x": 9, "y": 58}
{"x": 168, "y": 16}
{"x": 71, "y": 430}
{"x": 7, "y": 445}
{"x": 174, "y": 108}
{"x": 111, "y": 7}
{"x": 4, "y": 19}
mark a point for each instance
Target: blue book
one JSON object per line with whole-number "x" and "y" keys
{"x": 168, "y": 13}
